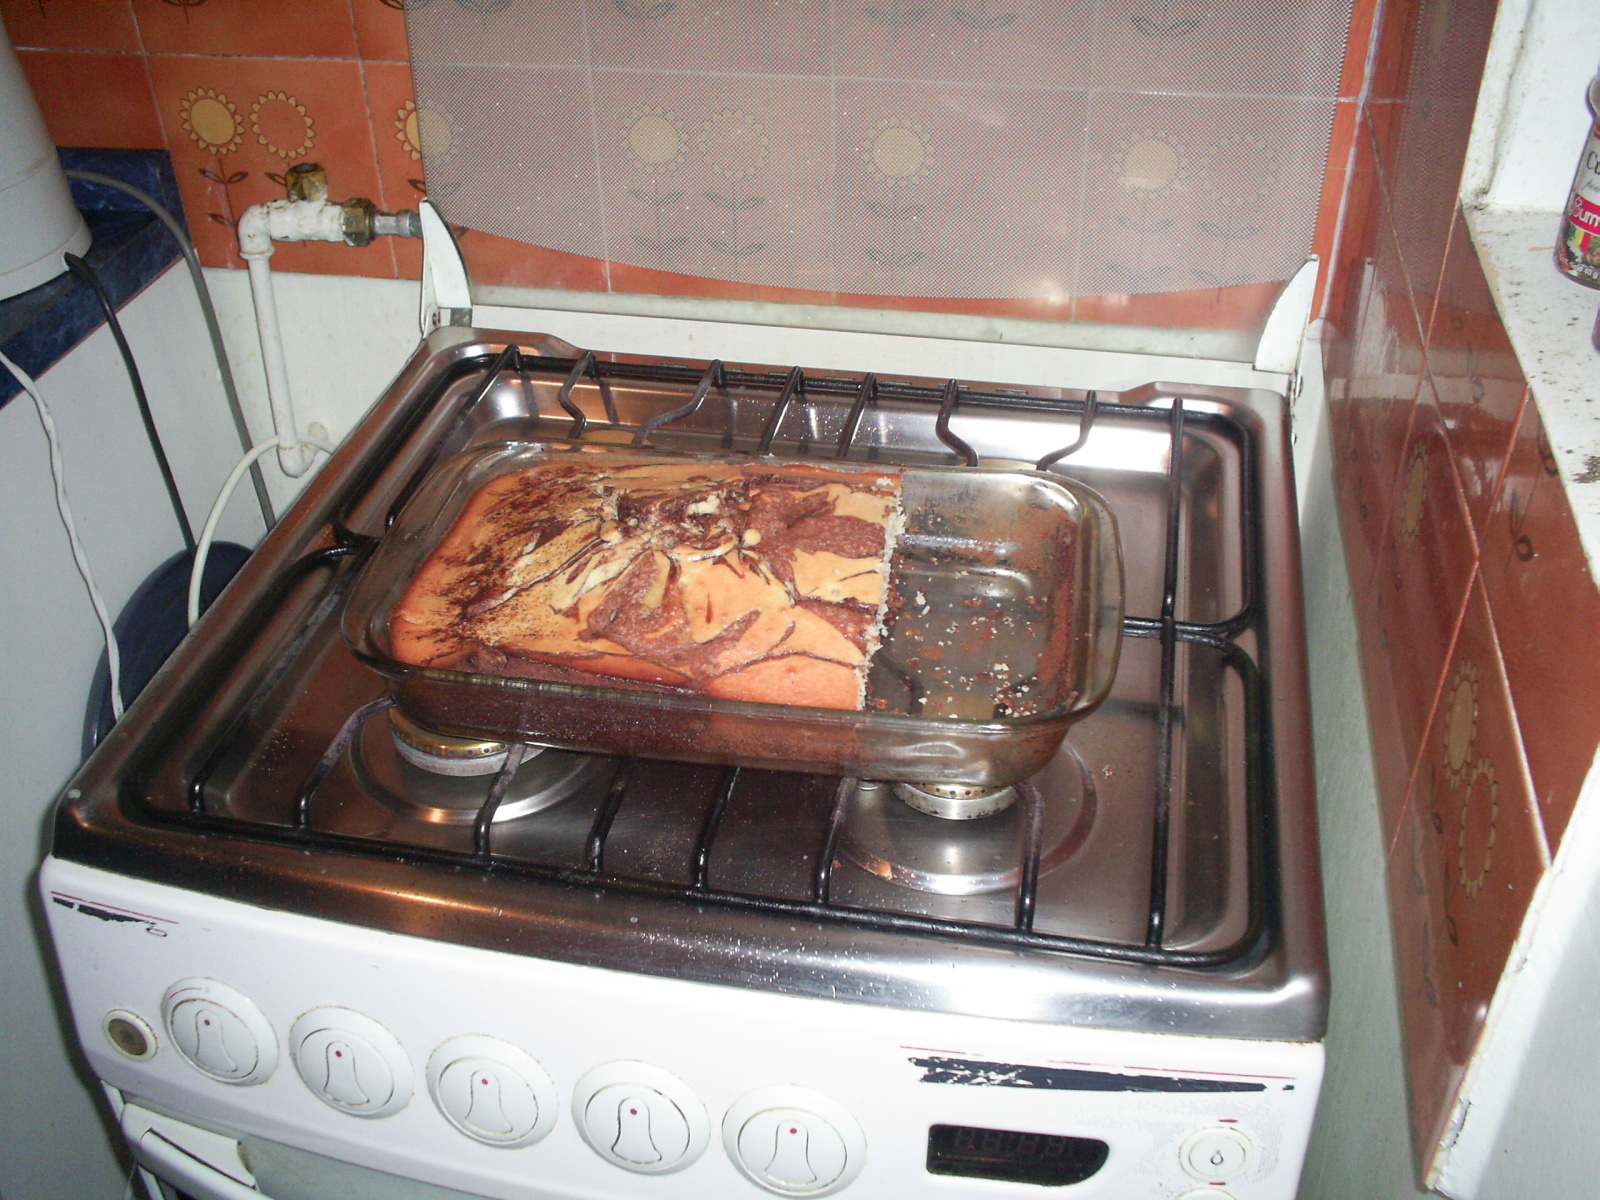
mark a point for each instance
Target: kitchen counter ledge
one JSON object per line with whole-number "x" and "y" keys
{"x": 1550, "y": 320}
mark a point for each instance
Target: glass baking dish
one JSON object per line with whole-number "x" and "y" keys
{"x": 1003, "y": 627}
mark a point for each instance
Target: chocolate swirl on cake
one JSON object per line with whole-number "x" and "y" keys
{"x": 744, "y": 581}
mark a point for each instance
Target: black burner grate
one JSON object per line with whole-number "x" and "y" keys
{"x": 785, "y": 392}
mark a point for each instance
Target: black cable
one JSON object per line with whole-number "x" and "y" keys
{"x": 207, "y": 309}
{"x": 83, "y": 271}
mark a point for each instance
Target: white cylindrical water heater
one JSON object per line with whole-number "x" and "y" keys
{"x": 38, "y": 221}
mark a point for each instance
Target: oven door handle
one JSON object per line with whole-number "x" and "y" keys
{"x": 187, "y": 1157}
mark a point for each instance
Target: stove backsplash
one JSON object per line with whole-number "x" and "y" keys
{"x": 1141, "y": 162}
{"x": 1045, "y": 160}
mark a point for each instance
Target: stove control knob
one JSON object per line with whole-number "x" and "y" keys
{"x": 492, "y": 1091}
{"x": 640, "y": 1118}
{"x": 793, "y": 1141}
{"x": 350, "y": 1062}
{"x": 220, "y": 1031}
{"x": 1217, "y": 1155}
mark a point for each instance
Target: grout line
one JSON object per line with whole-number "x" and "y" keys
{"x": 1363, "y": 105}
{"x": 1428, "y": 729}
{"x": 587, "y": 66}
{"x": 1525, "y": 408}
{"x": 1336, "y": 242}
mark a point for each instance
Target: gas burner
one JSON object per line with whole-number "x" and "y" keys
{"x": 956, "y": 801}
{"x": 888, "y": 835}
{"x": 444, "y": 754}
{"x": 445, "y": 780}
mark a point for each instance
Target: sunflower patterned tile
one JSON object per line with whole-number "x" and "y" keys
{"x": 1425, "y": 566}
{"x": 1363, "y": 16}
{"x": 1395, "y": 42}
{"x": 235, "y": 125}
{"x": 482, "y": 173}
{"x": 290, "y": 28}
{"x": 696, "y": 183}
{"x": 1395, "y": 742}
{"x": 1033, "y": 43}
{"x": 1547, "y": 618}
{"x": 1361, "y": 226}
{"x": 123, "y": 115}
{"x": 1240, "y": 308}
{"x": 501, "y": 262}
{"x": 651, "y": 35}
{"x": 1372, "y": 406}
{"x": 1211, "y": 196}
{"x": 928, "y": 204}
{"x": 1367, "y": 422}
{"x": 529, "y": 33}
{"x": 1156, "y": 46}
{"x": 1425, "y": 963}
{"x": 71, "y": 24}
{"x": 1343, "y": 155}
{"x": 1478, "y": 845}
{"x": 398, "y": 130}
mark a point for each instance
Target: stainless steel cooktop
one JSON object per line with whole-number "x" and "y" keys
{"x": 1159, "y": 873}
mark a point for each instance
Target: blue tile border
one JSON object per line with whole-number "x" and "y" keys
{"x": 130, "y": 248}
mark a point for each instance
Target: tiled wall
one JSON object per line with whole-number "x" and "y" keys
{"x": 1078, "y": 162}
{"x": 237, "y": 93}
{"x": 1479, "y": 619}
{"x": 238, "y": 90}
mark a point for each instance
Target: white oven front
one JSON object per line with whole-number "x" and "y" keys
{"x": 259, "y": 1053}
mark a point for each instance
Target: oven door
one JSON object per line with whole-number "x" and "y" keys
{"x": 178, "y": 1160}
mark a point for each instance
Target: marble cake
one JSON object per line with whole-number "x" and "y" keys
{"x": 754, "y": 581}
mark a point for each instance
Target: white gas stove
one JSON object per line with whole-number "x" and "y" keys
{"x": 305, "y": 965}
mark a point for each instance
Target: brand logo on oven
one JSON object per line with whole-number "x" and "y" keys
{"x": 154, "y": 926}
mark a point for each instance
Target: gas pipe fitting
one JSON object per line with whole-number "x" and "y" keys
{"x": 305, "y": 214}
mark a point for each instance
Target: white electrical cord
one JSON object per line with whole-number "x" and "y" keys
{"x": 208, "y": 531}
{"x": 79, "y": 558}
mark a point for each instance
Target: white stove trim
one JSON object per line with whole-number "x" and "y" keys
{"x": 886, "y": 353}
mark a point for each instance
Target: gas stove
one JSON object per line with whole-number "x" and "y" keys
{"x": 298, "y": 922}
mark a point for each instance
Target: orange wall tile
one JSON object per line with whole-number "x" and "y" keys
{"x": 290, "y": 28}
{"x": 1478, "y": 614}
{"x": 237, "y": 91}
{"x": 71, "y": 24}
{"x": 123, "y": 116}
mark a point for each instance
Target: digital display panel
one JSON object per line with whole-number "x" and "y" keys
{"x": 1011, "y": 1155}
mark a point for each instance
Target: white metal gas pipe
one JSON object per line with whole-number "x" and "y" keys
{"x": 293, "y": 221}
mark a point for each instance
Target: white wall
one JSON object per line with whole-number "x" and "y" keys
{"x": 344, "y": 337}
{"x": 49, "y": 1125}
{"x": 347, "y": 338}
{"x": 1532, "y": 115}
